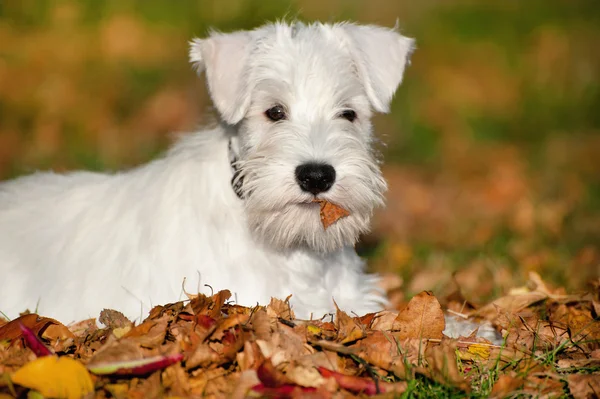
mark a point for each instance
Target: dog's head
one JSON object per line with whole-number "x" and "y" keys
{"x": 301, "y": 98}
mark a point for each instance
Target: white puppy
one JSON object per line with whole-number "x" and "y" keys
{"x": 229, "y": 207}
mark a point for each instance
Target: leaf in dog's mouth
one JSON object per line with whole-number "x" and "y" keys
{"x": 330, "y": 213}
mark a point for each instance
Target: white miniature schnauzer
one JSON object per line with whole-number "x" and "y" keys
{"x": 232, "y": 207}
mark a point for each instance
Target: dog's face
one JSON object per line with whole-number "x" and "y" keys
{"x": 301, "y": 98}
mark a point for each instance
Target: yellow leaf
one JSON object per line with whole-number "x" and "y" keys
{"x": 121, "y": 331}
{"x": 475, "y": 352}
{"x": 55, "y": 377}
{"x": 313, "y": 329}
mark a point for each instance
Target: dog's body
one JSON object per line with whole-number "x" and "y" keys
{"x": 229, "y": 207}
{"x": 177, "y": 217}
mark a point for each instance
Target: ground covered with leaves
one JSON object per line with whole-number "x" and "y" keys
{"x": 208, "y": 347}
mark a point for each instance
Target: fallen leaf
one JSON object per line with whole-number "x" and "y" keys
{"x": 251, "y": 356}
{"x": 210, "y": 306}
{"x": 227, "y": 323}
{"x": 384, "y": 320}
{"x": 382, "y": 349}
{"x": 270, "y": 376}
{"x": 422, "y": 318}
{"x": 475, "y": 351}
{"x": 114, "y": 319}
{"x": 544, "y": 384}
{"x": 247, "y": 380}
{"x": 151, "y": 333}
{"x": 135, "y": 367}
{"x": 506, "y": 384}
{"x": 304, "y": 376}
{"x": 280, "y": 309}
{"x": 83, "y": 328}
{"x": 55, "y": 377}
{"x": 118, "y": 390}
{"x": 564, "y": 364}
{"x": 283, "y": 391}
{"x": 510, "y": 303}
{"x": 203, "y": 356}
{"x": 56, "y": 334}
{"x": 331, "y": 213}
{"x": 363, "y": 385}
{"x": 114, "y": 351}
{"x": 584, "y": 386}
{"x": 34, "y": 343}
{"x": 442, "y": 365}
{"x": 349, "y": 330}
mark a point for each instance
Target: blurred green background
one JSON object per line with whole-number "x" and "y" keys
{"x": 492, "y": 147}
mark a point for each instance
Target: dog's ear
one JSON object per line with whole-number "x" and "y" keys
{"x": 224, "y": 56}
{"x": 380, "y": 55}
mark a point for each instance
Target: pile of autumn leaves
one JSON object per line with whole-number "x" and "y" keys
{"x": 208, "y": 347}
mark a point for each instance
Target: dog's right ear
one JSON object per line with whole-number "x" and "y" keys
{"x": 224, "y": 56}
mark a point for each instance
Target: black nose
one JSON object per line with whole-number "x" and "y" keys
{"x": 315, "y": 177}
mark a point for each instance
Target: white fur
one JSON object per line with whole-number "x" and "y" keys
{"x": 81, "y": 242}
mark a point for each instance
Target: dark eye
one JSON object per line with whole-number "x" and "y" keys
{"x": 276, "y": 113}
{"x": 349, "y": 115}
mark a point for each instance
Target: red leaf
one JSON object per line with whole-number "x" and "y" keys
{"x": 205, "y": 321}
{"x": 34, "y": 343}
{"x": 351, "y": 383}
{"x": 270, "y": 376}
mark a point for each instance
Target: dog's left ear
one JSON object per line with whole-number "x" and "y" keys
{"x": 224, "y": 56}
{"x": 380, "y": 55}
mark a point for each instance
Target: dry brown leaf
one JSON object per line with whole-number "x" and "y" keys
{"x": 584, "y": 386}
{"x": 231, "y": 344}
{"x": 384, "y": 320}
{"x": 151, "y": 333}
{"x": 331, "y": 213}
{"x": 505, "y": 385}
{"x": 83, "y": 328}
{"x": 278, "y": 308}
{"x": 175, "y": 378}
{"x": 510, "y": 303}
{"x": 422, "y": 318}
{"x": 285, "y": 346}
{"x": 543, "y": 385}
{"x": 114, "y": 319}
{"x": 246, "y": 381}
{"x": 210, "y": 306}
{"x": 116, "y": 351}
{"x": 250, "y": 357}
{"x": 442, "y": 365}
{"x": 118, "y": 391}
{"x": 142, "y": 388}
{"x": 203, "y": 356}
{"x": 564, "y": 364}
{"x": 584, "y": 329}
{"x": 261, "y": 324}
{"x": 226, "y": 323}
{"x": 383, "y": 350}
{"x": 305, "y": 376}
{"x": 220, "y": 383}
{"x": 349, "y": 330}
